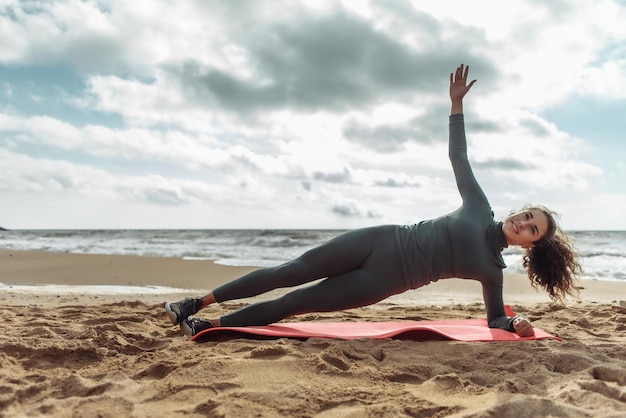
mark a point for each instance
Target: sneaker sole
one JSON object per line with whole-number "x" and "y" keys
{"x": 172, "y": 315}
{"x": 186, "y": 329}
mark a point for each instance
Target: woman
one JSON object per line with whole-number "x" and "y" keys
{"x": 365, "y": 266}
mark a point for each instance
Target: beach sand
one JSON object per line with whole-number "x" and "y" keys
{"x": 84, "y": 354}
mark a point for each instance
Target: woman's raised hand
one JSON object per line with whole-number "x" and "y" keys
{"x": 458, "y": 83}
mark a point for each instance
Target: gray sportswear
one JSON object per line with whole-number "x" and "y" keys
{"x": 465, "y": 244}
{"x": 364, "y": 266}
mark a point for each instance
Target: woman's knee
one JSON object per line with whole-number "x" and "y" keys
{"x": 291, "y": 273}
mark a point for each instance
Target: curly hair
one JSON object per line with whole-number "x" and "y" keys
{"x": 552, "y": 263}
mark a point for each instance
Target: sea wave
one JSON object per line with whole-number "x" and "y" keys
{"x": 603, "y": 252}
{"x": 93, "y": 289}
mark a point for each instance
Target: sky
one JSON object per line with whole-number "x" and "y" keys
{"x": 327, "y": 114}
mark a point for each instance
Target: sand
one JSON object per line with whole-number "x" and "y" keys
{"x": 82, "y": 354}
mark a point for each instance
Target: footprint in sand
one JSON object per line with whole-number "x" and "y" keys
{"x": 154, "y": 371}
{"x": 333, "y": 361}
{"x": 271, "y": 352}
{"x": 405, "y": 378}
{"x": 609, "y": 374}
{"x": 123, "y": 342}
{"x": 528, "y": 406}
{"x": 75, "y": 385}
{"x": 603, "y": 389}
{"x": 566, "y": 363}
{"x": 114, "y": 407}
{"x": 47, "y": 357}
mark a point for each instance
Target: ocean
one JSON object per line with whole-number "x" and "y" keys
{"x": 603, "y": 252}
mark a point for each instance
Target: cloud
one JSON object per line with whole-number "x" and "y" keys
{"x": 338, "y": 177}
{"x": 331, "y": 61}
{"x": 392, "y": 182}
{"x": 426, "y": 128}
{"x": 246, "y": 106}
{"x": 96, "y": 37}
{"x": 351, "y": 210}
{"x": 503, "y": 164}
{"x": 535, "y": 127}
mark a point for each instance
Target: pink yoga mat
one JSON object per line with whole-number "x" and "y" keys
{"x": 455, "y": 329}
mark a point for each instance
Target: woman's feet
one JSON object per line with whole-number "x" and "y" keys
{"x": 193, "y": 326}
{"x": 181, "y": 310}
{"x": 180, "y": 313}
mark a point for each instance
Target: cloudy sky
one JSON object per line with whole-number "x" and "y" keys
{"x": 277, "y": 114}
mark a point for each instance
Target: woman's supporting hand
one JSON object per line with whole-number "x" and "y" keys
{"x": 459, "y": 88}
{"x": 523, "y": 327}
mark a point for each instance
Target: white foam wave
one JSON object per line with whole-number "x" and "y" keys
{"x": 94, "y": 289}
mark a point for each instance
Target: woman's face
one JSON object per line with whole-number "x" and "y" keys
{"x": 525, "y": 227}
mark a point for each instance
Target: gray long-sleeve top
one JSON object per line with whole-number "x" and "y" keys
{"x": 466, "y": 243}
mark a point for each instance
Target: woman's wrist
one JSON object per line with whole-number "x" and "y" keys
{"x": 457, "y": 107}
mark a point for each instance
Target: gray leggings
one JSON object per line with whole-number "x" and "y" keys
{"x": 360, "y": 267}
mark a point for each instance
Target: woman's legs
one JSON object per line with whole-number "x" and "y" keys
{"x": 361, "y": 266}
{"x": 378, "y": 276}
{"x": 350, "y": 290}
{"x": 340, "y": 255}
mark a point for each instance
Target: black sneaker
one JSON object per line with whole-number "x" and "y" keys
{"x": 181, "y": 310}
{"x": 192, "y": 326}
